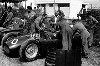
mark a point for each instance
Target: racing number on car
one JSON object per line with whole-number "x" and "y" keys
{"x": 14, "y": 41}
{"x": 35, "y": 36}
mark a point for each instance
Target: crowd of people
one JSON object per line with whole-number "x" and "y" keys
{"x": 37, "y": 20}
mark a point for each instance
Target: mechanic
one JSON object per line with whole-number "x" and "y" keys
{"x": 39, "y": 23}
{"x": 9, "y": 16}
{"x": 91, "y": 21}
{"x": 30, "y": 17}
{"x": 67, "y": 31}
{"x": 77, "y": 25}
{"x": 48, "y": 27}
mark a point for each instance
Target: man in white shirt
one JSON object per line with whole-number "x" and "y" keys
{"x": 77, "y": 25}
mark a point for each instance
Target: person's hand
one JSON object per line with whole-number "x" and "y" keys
{"x": 71, "y": 26}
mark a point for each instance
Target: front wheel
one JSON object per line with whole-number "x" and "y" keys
{"x": 29, "y": 51}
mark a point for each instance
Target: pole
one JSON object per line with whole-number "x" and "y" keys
{"x": 91, "y": 6}
{"x": 54, "y": 7}
{"x": 54, "y": 10}
{"x": 25, "y": 4}
{"x": 5, "y": 5}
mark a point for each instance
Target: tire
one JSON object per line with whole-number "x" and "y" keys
{"x": 29, "y": 51}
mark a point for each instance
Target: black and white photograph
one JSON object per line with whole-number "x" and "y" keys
{"x": 49, "y": 32}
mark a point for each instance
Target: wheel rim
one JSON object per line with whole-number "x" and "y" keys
{"x": 31, "y": 51}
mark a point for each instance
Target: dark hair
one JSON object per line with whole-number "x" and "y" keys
{"x": 83, "y": 6}
{"x": 75, "y": 20}
{"x": 34, "y": 7}
{"x": 44, "y": 14}
{"x": 29, "y": 7}
{"x": 10, "y": 7}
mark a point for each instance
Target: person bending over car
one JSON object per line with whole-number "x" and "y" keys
{"x": 77, "y": 25}
{"x": 41, "y": 24}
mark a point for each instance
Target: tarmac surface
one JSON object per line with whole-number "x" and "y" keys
{"x": 6, "y": 61}
{"x": 92, "y": 60}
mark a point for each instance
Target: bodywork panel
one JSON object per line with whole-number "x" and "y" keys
{"x": 17, "y": 41}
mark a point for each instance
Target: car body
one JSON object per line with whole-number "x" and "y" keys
{"x": 18, "y": 41}
{"x": 14, "y": 45}
{"x": 4, "y": 31}
{"x": 18, "y": 45}
{"x": 17, "y": 27}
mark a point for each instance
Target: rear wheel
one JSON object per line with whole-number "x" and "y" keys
{"x": 29, "y": 51}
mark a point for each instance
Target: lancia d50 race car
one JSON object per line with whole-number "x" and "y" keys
{"x": 29, "y": 47}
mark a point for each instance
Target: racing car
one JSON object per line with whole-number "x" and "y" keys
{"x": 31, "y": 46}
{"x": 12, "y": 30}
